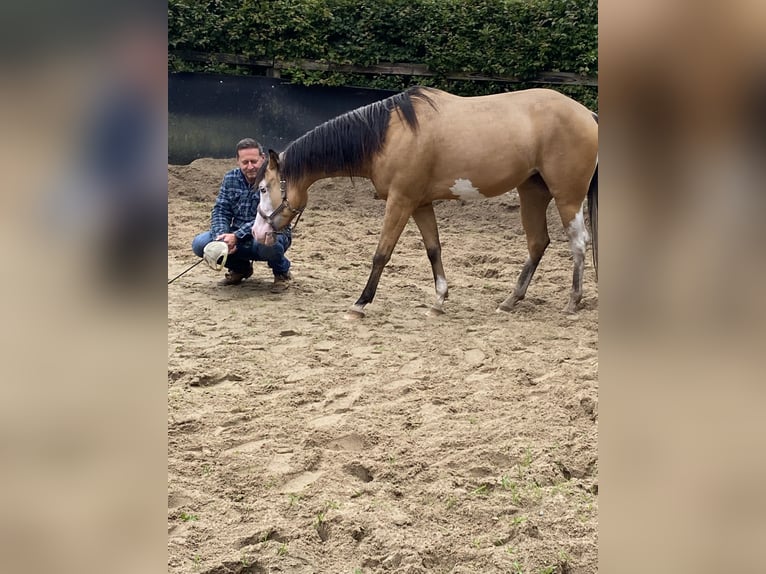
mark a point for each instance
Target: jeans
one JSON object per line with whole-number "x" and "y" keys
{"x": 249, "y": 250}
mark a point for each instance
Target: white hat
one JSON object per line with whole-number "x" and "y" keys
{"x": 215, "y": 254}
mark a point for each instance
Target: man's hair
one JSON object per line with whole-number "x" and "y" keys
{"x": 249, "y": 143}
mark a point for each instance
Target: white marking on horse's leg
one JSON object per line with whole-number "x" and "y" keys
{"x": 441, "y": 295}
{"x": 578, "y": 239}
{"x": 578, "y": 234}
{"x": 464, "y": 189}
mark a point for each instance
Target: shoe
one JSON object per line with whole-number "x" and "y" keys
{"x": 235, "y": 278}
{"x": 281, "y": 282}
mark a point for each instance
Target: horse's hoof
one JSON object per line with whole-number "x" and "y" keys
{"x": 354, "y": 315}
{"x": 508, "y": 305}
{"x": 435, "y": 312}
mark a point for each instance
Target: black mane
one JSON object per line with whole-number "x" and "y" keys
{"x": 345, "y": 143}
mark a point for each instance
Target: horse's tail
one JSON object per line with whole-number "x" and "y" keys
{"x": 593, "y": 212}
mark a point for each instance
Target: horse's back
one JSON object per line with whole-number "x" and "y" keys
{"x": 495, "y": 141}
{"x": 543, "y": 112}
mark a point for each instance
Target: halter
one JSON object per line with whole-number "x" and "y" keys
{"x": 285, "y": 204}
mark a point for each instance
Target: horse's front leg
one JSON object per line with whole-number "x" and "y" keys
{"x": 426, "y": 221}
{"x": 398, "y": 211}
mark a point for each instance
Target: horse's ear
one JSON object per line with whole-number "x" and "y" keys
{"x": 273, "y": 160}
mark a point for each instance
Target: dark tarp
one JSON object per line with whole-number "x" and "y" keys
{"x": 210, "y": 113}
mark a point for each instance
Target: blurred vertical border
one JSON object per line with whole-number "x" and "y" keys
{"x": 83, "y": 243}
{"x": 682, "y": 103}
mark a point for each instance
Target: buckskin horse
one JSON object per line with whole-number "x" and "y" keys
{"x": 425, "y": 144}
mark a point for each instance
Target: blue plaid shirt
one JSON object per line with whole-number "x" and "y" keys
{"x": 235, "y": 207}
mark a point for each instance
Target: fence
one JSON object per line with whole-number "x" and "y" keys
{"x": 272, "y": 67}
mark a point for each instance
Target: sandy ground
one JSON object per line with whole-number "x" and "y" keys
{"x": 300, "y": 441}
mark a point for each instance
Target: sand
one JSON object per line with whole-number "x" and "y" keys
{"x": 300, "y": 441}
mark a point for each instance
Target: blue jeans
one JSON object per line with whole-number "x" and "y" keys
{"x": 250, "y": 250}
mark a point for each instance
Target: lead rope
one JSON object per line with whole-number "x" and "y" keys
{"x": 185, "y": 271}
{"x": 297, "y": 219}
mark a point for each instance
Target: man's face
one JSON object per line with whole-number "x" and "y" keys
{"x": 249, "y": 160}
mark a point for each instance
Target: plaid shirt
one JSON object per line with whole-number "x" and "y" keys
{"x": 235, "y": 208}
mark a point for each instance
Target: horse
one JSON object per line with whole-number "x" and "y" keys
{"x": 425, "y": 144}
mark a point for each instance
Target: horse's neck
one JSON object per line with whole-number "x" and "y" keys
{"x": 363, "y": 172}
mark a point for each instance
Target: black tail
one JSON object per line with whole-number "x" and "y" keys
{"x": 593, "y": 212}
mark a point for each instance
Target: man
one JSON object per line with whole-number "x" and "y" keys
{"x": 232, "y": 221}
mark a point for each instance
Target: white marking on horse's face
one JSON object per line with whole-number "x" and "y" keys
{"x": 262, "y": 231}
{"x": 578, "y": 234}
{"x": 464, "y": 189}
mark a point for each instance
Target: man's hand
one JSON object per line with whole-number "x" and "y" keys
{"x": 229, "y": 239}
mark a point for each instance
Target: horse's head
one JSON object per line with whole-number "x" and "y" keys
{"x": 274, "y": 191}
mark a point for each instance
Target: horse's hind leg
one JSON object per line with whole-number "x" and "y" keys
{"x": 572, "y": 219}
{"x": 426, "y": 221}
{"x": 534, "y": 198}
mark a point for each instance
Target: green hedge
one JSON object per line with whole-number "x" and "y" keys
{"x": 519, "y": 38}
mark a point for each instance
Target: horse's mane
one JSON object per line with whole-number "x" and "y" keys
{"x": 345, "y": 143}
